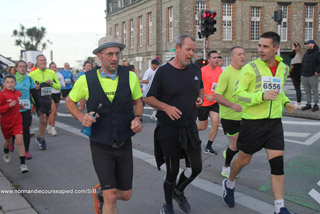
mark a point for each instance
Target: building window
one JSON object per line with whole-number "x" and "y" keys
{"x": 227, "y": 21}
{"x": 170, "y": 24}
{"x": 149, "y": 28}
{"x": 255, "y": 23}
{"x": 131, "y": 33}
{"x": 284, "y": 23}
{"x": 199, "y": 7}
{"x": 120, "y": 3}
{"x": 308, "y": 33}
{"x": 124, "y": 33}
{"x": 226, "y": 61}
{"x": 140, "y": 27}
{"x": 116, "y": 32}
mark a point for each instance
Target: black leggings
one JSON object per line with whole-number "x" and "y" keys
{"x": 193, "y": 157}
{"x": 296, "y": 80}
{"x": 26, "y": 123}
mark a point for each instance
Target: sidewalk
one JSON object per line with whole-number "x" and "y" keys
{"x": 17, "y": 204}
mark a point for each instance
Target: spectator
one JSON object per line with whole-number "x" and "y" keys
{"x": 295, "y": 70}
{"x": 310, "y": 70}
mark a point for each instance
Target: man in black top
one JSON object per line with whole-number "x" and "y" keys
{"x": 310, "y": 70}
{"x": 176, "y": 91}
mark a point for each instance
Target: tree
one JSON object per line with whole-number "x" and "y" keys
{"x": 31, "y": 38}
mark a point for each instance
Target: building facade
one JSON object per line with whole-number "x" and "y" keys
{"x": 149, "y": 28}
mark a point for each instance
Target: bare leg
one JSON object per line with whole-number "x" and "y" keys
{"x": 110, "y": 198}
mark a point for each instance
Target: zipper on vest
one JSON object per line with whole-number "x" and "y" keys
{"x": 270, "y": 109}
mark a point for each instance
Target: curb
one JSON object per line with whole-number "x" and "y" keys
{"x": 298, "y": 113}
{"x": 13, "y": 203}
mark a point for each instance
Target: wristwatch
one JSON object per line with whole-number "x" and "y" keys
{"x": 138, "y": 116}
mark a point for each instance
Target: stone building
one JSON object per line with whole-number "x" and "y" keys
{"x": 149, "y": 28}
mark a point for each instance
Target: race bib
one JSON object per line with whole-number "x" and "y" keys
{"x": 45, "y": 91}
{"x": 68, "y": 81}
{"x": 213, "y": 87}
{"x": 271, "y": 83}
{"x": 26, "y": 103}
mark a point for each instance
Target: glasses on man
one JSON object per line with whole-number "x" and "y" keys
{"x": 111, "y": 54}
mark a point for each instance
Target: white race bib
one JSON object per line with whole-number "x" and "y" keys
{"x": 271, "y": 83}
{"x": 68, "y": 81}
{"x": 213, "y": 87}
{"x": 45, "y": 91}
{"x": 26, "y": 103}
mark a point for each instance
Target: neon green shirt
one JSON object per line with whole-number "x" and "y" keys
{"x": 225, "y": 87}
{"x": 109, "y": 86}
{"x": 42, "y": 76}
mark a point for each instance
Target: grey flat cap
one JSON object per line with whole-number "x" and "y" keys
{"x": 107, "y": 42}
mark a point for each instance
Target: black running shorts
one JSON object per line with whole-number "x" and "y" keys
{"x": 45, "y": 108}
{"x": 113, "y": 166}
{"x": 203, "y": 112}
{"x": 65, "y": 92}
{"x": 230, "y": 127}
{"x": 257, "y": 134}
{"x": 56, "y": 97}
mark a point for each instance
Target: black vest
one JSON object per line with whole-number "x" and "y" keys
{"x": 113, "y": 125}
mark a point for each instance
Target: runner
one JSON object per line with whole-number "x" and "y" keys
{"x": 176, "y": 90}
{"x": 117, "y": 121}
{"x": 11, "y": 121}
{"x": 260, "y": 91}
{"x": 56, "y": 95}
{"x": 229, "y": 111}
{"x": 46, "y": 79}
{"x": 210, "y": 107}
{"x": 26, "y": 86}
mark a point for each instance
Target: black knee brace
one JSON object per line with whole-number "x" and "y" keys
{"x": 276, "y": 165}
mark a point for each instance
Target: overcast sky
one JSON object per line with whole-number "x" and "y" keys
{"x": 73, "y": 26}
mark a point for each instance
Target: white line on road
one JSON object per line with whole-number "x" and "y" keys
{"x": 315, "y": 195}
{"x": 208, "y": 186}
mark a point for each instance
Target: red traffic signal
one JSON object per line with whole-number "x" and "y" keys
{"x": 207, "y": 22}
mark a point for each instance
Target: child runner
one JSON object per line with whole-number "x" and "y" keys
{"x": 11, "y": 120}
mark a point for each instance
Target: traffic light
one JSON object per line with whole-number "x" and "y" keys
{"x": 207, "y": 23}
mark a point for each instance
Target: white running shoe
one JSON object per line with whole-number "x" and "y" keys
{"x": 6, "y": 157}
{"x": 24, "y": 168}
{"x": 225, "y": 171}
{"x": 49, "y": 129}
{"x": 53, "y": 131}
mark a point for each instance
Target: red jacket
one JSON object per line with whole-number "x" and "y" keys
{"x": 10, "y": 116}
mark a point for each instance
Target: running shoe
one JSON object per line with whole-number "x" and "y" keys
{"x": 24, "y": 168}
{"x": 49, "y": 129}
{"x": 182, "y": 201}
{"x": 41, "y": 143}
{"x": 210, "y": 151}
{"x": 225, "y": 171}
{"x": 6, "y": 157}
{"x": 53, "y": 131}
{"x": 11, "y": 147}
{"x": 167, "y": 209}
{"x": 98, "y": 199}
{"x": 154, "y": 118}
{"x": 228, "y": 194}
{"x": 28, "y": 156}
{"x": 31, "y": 133}
{"x": 283, "y": 210}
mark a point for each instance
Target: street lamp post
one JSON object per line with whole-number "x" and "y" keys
{"x": 277, "y": 17}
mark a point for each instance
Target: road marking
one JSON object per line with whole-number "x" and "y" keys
{"x": 208, "y": 186}
{"x": 315, "y": 194}
{"x": 63, "y": 115}
{"x": 296, "y": 134}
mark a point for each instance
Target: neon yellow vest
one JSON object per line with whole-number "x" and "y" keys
{"x": 248, "y": 91}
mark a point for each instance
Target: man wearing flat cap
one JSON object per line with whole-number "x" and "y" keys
{"x": 117, "y": 121}
{"x": 310, "y": 70}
